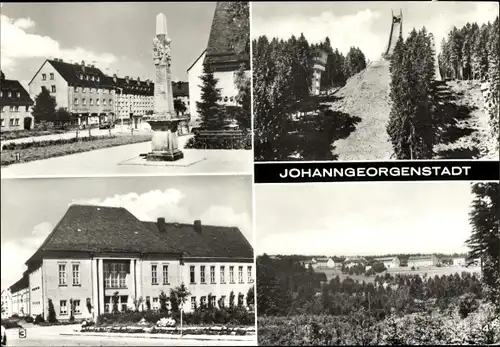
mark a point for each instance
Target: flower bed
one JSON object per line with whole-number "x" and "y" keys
{"x": 188, "y": 330}
{"x": 55, "y": 148}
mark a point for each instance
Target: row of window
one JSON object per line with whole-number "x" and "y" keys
{"x": 14, "y": 108}
{"x": 63, "y": 307}
{"x": 91, "y": 102}
{"x": 115, "y": 275}
{"x": 44, "y": 76}
{"x": 213, "y": 301}
{"x": 222, "y": 273}
{"x": 10, "y": 94}
{"x": 91, "y": 90}
{"x": 75, "y": 270}
{"x": 35, "y": 288}
{"x": 52, "y": 88}
{"x": 13, "y": 122}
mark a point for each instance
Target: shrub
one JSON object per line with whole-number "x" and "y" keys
{"x": 52, "y": 313}
{"x": 197, "y": 142}
{"x": 39, "y": 319}
{"x": 28, "y": 319}
{"x": 10, "y": 324}
{"x": 468, "y": 304}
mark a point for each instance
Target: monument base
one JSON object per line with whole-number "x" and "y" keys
{"x": 165, "y": 155}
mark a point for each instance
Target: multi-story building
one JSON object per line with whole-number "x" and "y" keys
{"x": 6, "y": 303}
{"x": 15, "y": 105}
{"x": 96, "y": 253}
{"x": 422, "y": 261}
{"x": 83, "y": 90}
{"x": 389, "y": 262}
{"x": 226, "y": 53}
{"x": 319, "y": 58}
{"x": 323, "y": 263}
{"x": 20, "y": 294}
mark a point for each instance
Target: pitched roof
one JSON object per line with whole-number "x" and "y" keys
{"x": 20, "y": 284}
{"x": 421, "y": 257}
{"x": 93, "y": 77}
{"x": 180, "y": 89}
{"x": 386, "y": 258}
{"x": 131, "y": 86}
{"x": 86, "y": 228}
{"x": 14, "y": 87}
{"x": 211, "y": 242}
{"x": 224, "y": 42}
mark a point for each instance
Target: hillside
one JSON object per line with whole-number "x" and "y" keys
{"x": 366, "y": 95}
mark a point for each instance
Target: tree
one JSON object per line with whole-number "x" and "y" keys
{"x": 484, "y": 242}
{"x": 138, "y": 301}
{"x": 115, "y": 302}
{"x": 52, "y": 312}
{"x": 71, "y": 310}
{"x": 179, "y": 107}
{"x": 209, "y": 108}
{"x": 243, "y": 98}
{"x": 231, "y": 299}
{"x": 163, "y": 301}
{"x": 45, "y": 106}
{"x": 355, "y": 62}
{"x": 251, "y": 296}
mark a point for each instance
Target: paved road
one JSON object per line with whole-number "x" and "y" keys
{"x": 49, "y": 336}
{"x": 125, "y": 160}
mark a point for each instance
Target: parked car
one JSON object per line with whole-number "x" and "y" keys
{"x": 4, "y": 336}
{"x": 107, "y": 125}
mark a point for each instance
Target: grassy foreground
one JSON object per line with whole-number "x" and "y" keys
{"x": 8, "y": 156}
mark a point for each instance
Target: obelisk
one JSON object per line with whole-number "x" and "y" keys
{"x": 164, "y": 122}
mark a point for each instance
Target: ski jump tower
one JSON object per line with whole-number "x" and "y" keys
{"x": 396, "y": 33}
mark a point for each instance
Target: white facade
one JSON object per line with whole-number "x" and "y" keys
{"x": 50, "y": 79}
{"x": 459, "y": 261}
{"x": 423, "y": 261}
{"x": 6, "y": 303}
{"x": 389, "y": 262}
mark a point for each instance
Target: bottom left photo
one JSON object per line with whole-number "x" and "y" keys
{"x": 128, "y": 261}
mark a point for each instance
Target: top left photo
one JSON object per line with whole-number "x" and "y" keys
{"x": 92, "y": 89}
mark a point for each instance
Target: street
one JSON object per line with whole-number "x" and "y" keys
{"x": 125, "y": 160}
{"x": 50, "y": 336}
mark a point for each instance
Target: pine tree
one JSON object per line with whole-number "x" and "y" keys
{"x": 484, "y": 242}
{"x": 209, "y": 108}
{"x": 52, "y": 312}
{"x": 45, "y": 107}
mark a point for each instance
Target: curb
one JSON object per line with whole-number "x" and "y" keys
{"x": 168, "y": 337}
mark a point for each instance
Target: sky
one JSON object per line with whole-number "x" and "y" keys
{"x": 346, "y": 219}
{"x": 31, "y": 208}
{"x": 117, "y": 36}
{"x": 363, "y": 24}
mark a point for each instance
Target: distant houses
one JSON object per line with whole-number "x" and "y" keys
{"x": 423, "y": 261}
{"x": 319, "y": 263}
{"x": 389, "y": 262}
{"x": 459, "y": 261}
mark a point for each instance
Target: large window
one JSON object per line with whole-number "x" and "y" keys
{"x": 249, "y": 274}
{"x": 51, "y": 76}
{"x": 62, "y": 274}
{"x": 240, "y": 274}
{"x": 154, "y": 274}
{"x": 192, "y": 275}
{"x": 212, "y": 274}
{"x": 193, "y": 302}
{"x": 115, "y": 275}
{"x": 202, "y": 274}
{"x": 222, "y": 274}
{"x": 213, "y": 301}
{"x": 231, "y": 274}
{"x": 76, "y": 274}
{"x": 63, "y": 307}
{"x": 165, "y": 274}
{"x": 76, "y": 306}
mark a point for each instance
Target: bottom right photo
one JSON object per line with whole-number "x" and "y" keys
{"x": 394, "y": 263}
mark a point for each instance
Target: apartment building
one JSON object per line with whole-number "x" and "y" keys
{"x": 96, "y": 253}
{"x": 20, "y": 296}
{"x": 15, "y": 105}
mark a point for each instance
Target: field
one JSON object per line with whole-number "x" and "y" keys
{"x": 37, "y": 153}
{"x": 430, "y": 271}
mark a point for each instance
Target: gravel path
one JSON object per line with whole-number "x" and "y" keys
{"x": 366, "y": 95}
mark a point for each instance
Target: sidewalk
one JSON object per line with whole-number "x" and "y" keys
{"x": 248, "y": 338}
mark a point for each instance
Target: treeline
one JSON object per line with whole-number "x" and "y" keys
{"x": 282, "y": 80}
{"x": 470, "y": 52}
{"x": 284, "y": 287}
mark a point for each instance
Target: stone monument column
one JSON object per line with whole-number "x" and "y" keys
{"x": 164, "y": 122}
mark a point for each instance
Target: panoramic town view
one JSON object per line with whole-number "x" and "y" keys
{"x": 128, "y": 261}
{"x": 375, "y": 80}
{"x": 378, "y": 264}
{"x": 88, "y": 100}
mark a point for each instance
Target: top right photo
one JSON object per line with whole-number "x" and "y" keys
{"x": 375, "y": 81}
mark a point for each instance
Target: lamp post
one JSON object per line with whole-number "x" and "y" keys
{"x": 121, "y": 92}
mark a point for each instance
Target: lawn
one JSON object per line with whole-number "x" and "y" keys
{"x": 8, "y": 156}
{"x": 19, "y": 134}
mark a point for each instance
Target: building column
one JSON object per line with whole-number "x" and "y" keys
{"x": 138, "y": 279}
{"x": 101, "y": 291}
{"x": 132, "y": 282}
{"x": 95, "y": 289}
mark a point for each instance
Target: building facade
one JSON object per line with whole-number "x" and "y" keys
{"x": 20, "y": 294}
{"x": 422, "y": 261}
{"x": 323, "y": 263}
{"x": 389, "y": 262}
{"x": 226, "y": 53}
{"x": 15, "y": 105}
{"x": 6, "y": 303}
{"x": 459, "y": 261}
{"x": 319, "y": 58}
{"x": 97, "y": 255}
